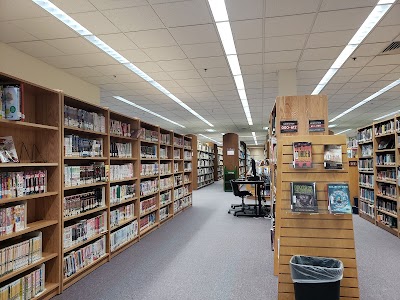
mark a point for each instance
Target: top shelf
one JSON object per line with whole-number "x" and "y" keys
{"x": 19, "y": 124}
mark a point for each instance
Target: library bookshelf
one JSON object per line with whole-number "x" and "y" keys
{"x": 379, "y": 173}
{"x": 218, "y": 163}
{"x": 38, "y": 145}
{"x": 97, "y": 183}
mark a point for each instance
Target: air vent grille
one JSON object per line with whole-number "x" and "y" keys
{"x": 393, "y": 48}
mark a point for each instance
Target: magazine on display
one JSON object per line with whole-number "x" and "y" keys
{"x": 303, "y": 197}
{"x": 302, "y": 157}
{"x": 333, "y": 157}
{"x": 339, "y": 198}
{"x": 8, "y": 154}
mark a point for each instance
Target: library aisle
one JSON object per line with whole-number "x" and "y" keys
{"x": 206, "y": 253}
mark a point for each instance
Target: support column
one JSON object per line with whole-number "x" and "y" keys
{"x": 287, "y": 82}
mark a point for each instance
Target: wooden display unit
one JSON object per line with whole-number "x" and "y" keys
{"x": 38, "y": 145}
{"x": 321, "y": 234}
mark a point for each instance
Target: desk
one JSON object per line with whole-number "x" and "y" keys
{"x": 258, "y": 211}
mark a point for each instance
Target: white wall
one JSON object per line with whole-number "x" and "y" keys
{"x": 18, "y": 64}
{"x": 257, "y": 153}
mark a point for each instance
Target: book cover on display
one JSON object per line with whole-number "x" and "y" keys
{"x": 303, "y": 197}
{"x": 302, "y": 157}
{"x": 339, "y": 198}
{"x": 8, "y": 154}
{"x": 333, "y": 157}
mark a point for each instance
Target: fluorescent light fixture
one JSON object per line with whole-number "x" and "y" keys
{"x": 242, "y": 94}
{"x": 388, "y": 115}
{"x": 239, "y": 82}
{"x": 343, "y": 131}
{"x": 78, "y": 28}
{"x": 366, "y": 100}
{"x": 225, "y": 32}
{"x": 254, "y": 137}
{"x": 218, "y": 9}
{"x": 332, "y": 125}
{"x": 63, "y": 17}
{"x": 147, "y": 110}
{"x": 373, "y": 18}
{"x": 210, "y": 130}
{"x": 204, "y": 136}
{"x": 234, "y": 64}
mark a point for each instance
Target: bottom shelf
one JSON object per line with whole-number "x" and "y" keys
{"x": 124, "y": 246}
{"x": 204, "y": 185}
{"x": 367, "y": 217}
{"x": 50, "y": 290}
{"x": 391, "y": 230}
{"x": 166, "y": 218}
{"x": 144, "y": 231}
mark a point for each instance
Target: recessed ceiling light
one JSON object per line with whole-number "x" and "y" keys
{"x": 332, "y": 125}
{"x": 373, "y": 18}
{"x": 343, "y": 131}
{"x": 254, "y": 137}
{"x": 146, "y": 110}
{"x": 204, "y": 136}
{"x": 81, "y": 30}
{"x": 265, "y": 128}
{"x": 210, "y": 130}
{"x": 388, "y": 115}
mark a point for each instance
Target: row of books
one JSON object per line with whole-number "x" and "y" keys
{"x": 202, "y": 155}
{"x": 148, "y": 204}
{"x": 178, "y": 180}
{"x": 187, "y": 166}
{"x": 364, "y": 135}
{"x": 83, "y": 257}
{"x": 20, "y": 254}
{"x": 147, "y": 221}
{"x": 187, "y": 155}
{"x": 367, "y": 150}
{"x": 365, "y": 164}
{"x": 177, "y": 153}
{"x": 80, "y": 118}
{"x": 176, "y": 167}
{"x": 182, "y": 203}
{"x": 389, "y": 206}
{"x": 12, "y": 218}
{"x": 76, "y": 146}
{"x": 386, "y": 220}
{"x": 165, "y": 197}
{"x": 205, "y": 178}
{"x": 84, "y": 229}
{"x": 205, "y": 163}
{"x": 120, "y": 128}
{"x": 166, "y": 183}
{"x": 186, "y": 178}
{"x": 367, "y": 209}
{"x": 80, "y": 203}
{"x": 367, "y": 194}
{"x": 119, "y": 193}
{"x": 385, "y": 159}
{"x": 120, "y": 172}
{"x": 165, "y": 168}
{"x": 366, "y": 179}
{"x": 187, "y": 144}
{"x": 149, "y": 186}
{"x": 122, "y": 150}
{"x": 352, "y": 143}
{"x": 165, "y": 138}
{"x": 24, "y": 183}
{"x": 164, "y": 213}
{"x": 389, "y": 174}
{"x": 186, "y": 190}
{"x": 387, "y": 189}
{"x": 178, "y": 141}
{"x": 163, "y": 153}
{"x": 148, "y": 152}
{"x": 204, "y": 148}
{"x": 26, "y": 287}
{"x": 149, "y": 169}
{"x": 81, "y": 175}
{"x": 205, "y": 171}
{"x": 148, "y": 135}
{"x": 123, "y": 235}
{"x": 121, "y": 214}
{"x": 384, "y": 128}
{"x": 304, "y": 197}
{"x": 178, "y": 193}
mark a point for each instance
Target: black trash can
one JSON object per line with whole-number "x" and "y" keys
{"x": 316, "y": 278}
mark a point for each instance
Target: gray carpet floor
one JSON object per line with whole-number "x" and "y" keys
{"x": 205, "y": 253}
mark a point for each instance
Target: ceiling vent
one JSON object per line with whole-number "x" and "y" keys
{"x": 393, "y": 48}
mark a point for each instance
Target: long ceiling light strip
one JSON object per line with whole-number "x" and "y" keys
{"x": 343, "y": 131}
{"x": 374, "y": 17}
{"x": 387, "y": 115}
{"x": 373, "y": 96}
{"x": 254, "y": 137}
{"x": 221, "y": 18}
{"x": 204, "y": 136}
{"x": 147, "y": 110}
{"x": 78, "y": 28}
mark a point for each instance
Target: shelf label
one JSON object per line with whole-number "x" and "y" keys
{"x": 288, "y": 126}
{"x": 316, "y": 125}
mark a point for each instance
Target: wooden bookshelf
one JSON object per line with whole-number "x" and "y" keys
{"x": 218, "y": 162}
{"x": 37, "y": 141}
{"x": 188, "y": 167}
{"x": 205, "y": 164}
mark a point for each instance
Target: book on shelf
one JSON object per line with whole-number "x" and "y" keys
{"x": 339, "y": 198}
{"x": 165, "y": 197}
{"x": 303, "y": 197}
{"x": 149, "y": 169}
{"x": 120, "y": 193}
{"x": 120, "y": 128}
{"x": 166, "y": 183}
{"x": 333, "y": 157}
{"x": 23, "y": 183}
{"x": 80, "y": 118}
{"x": 302, "y": 157}
{"x": 147, "y": 221}
{"x": 364, "y": 135}
{"x": 384, "y": 128}
{"x": 166, "y": 138}
{"x": 13, "y": 218}
{"x": 386, "y": 144}
{"x": 76, "y": 146}
{"x": 123, "y": 235}
{"x": 121, "y": 172}
{"x": 8, "y": 154}
{"x": 149, "y": 186}
{"x": 82, "y": 175}
{"x": 121, "y": 150}
{"x": 79, "y": 203}
{"x": 148, "y": 204}
{"x": 148, "y": 151}
{"x": 121, "y": 214}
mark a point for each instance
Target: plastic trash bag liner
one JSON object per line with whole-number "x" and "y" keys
{"x": 312, "y": 269}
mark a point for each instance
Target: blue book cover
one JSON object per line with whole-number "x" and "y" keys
{"x": 339, "y": 198}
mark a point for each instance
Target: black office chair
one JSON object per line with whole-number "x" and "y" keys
{"x": 241, "y": 194}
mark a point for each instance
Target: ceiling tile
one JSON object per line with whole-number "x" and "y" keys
{"x": 323, "y": 64}
{"x": 65, "y": 61}
{"x": 359, "y": 62}
{"x": 347, "y": 72}
{"x": 83, "y": 72}
{"x": 330, "y": 39}
{"x": 250, "y": 59}
{"x": 152, "y": 38}
{"x": 10, "y": 33}
{"x": 190, "y": 82}
{"x": 76, "y": 45}
{"x": 382, "y": 34}
{"x": 175, "y": 65}
{"x": 200, "y": 88}
{"x": 385, "y": 60}
{"x": 117, "y": 41}
{"x": 214, "y": 72}
{"x": 45, "y": 28}
{"x": 273, "y": 67}
{"x": 369, "y": 77}
{"x": 369, "y": 49}
{"x": 345, "y": 4}
{"x": 20, "y": 9}
{"x": 210, "y": 62}
{"x": 311, "y": 74}
{"x": 349, "y": 19}
{"x": 76, "y": 6}
{"x": 289, "y": 42}
{"x": 196, "y": 34}
{"x": 183, "y": 13}
{"x": 321, "y": 53}
{"x": 149, "y": 67}
{"x": 112, "y": 4}
{"x": 241, "y": 10}
{"x": 282, "y": 56}
{"x": 37, "y": 48}
{"x": 186, "y": 74}
{"x": 159, "y": 75}
{"x": 134, "y": 18}
{"x": 165, "y": 53}
{"x": 135, "y": 55}
{"x": 377, "y": 70}
{"x": 203, "y": 50}
{"x": 113, "y": 70}
{"x": 219, "y": 80}
{"x": 392, "y": 17}
{"x": 275, "y": 8}
{"x": 94, "y": 59}
{"x": 249, "y": 46}
{"x": 248, "y": 29}
{"x": 253, "y": 69}
{"x": 95, "y": 22}
{"x": 289, "y": 25}
{"x": 123, "y": 78}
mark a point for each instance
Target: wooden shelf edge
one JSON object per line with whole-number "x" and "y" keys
{"x": 144, "y": 231}
{"x": 123, "y": 180}
{"x": 30, "y": 228}
{"x": 166, "y": 204}
{"x": 20, "y": 165}
{"x": 123, "y": 224}
{"x": 97, "y": 209}
{"x": 76, "y": 129}
{"x": 148, "y": 212}
{"x": 124, "y": 202}
{"x": 26, "y": 198}
{"x": 9, "y": 123}
{"x": 121, "y": 248}
{"x": 80, "y": 244}
{"x": 150, "y": 194}
{"x": 84, "y": 186}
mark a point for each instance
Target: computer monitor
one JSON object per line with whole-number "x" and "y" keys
{"x": 253, "y": 167}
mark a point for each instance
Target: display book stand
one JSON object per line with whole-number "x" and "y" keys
{"x": 321, "y": 234}
{"x": 43, "y": 134}
{"x": 379, "y": 183}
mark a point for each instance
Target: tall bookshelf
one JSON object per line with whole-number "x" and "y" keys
{"x": 166, "y": 175}
{"x": 380, "y": 188}
{"x": 38, "y": 145}
{"x": 218, "y": 163}
{"x": 242, "y": 159}
{"x": 205, "y": 164}
{"x": 188, "y": 166}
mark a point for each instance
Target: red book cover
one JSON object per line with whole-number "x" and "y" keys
{"x": 302, "y": 157}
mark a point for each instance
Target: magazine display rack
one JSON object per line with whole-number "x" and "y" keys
{"x": 316, "y": 234}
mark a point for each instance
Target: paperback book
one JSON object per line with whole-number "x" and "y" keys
{"x": 302, "y": 157}
{"x": 303, "y": 197}
{"x": 339, "y": 198}
{"x": 8, "y": 154}
{"x": 333, "y": 157}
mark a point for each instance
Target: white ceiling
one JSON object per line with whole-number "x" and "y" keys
{"x": 177, "y": 44}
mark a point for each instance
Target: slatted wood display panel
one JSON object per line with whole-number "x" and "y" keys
{"x": 321, "y": 234}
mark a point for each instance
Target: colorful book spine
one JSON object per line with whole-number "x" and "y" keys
{"x": 148, "y": 187}
{"x": 82, "y": 175}
{"x": 120, "y": 128}
{"x": 24, "y": 183}
{"x": 120, "y": 172}
{"x": 120, "y": 193}
{"x": 12, "y": 218}
{"x": 121, "y": 214}
{"x": 123, "y": 235}
{"x": 80, "y": 118}
{"x": 83, "y": 202}
{"x": 148, "y": 205}
{"x": 149, "y": 169}
{"x": 121, "y": 150}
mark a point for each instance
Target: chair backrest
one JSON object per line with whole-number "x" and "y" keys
{"x": 235, "y": 188}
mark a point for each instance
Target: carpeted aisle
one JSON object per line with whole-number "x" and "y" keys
{"x": 205, "y": 253}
